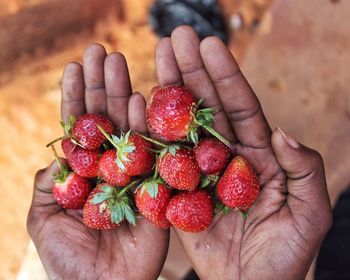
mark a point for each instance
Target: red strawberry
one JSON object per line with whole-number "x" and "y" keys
{"x": 68, "y": 147}
{"x": 83, "y": 162}
{"x": 169, "y": 112}
{"x": 69, "y": 190}
{"x": 141, "y": 160}
{"x": 85, "y": 130}
{"x": 110, "y": 171}
{"x": 212, "y": 156}
{"x": 173, "y": 115}
{"x": 152, "y": 200}
{"x": 107, "y": 207}
{"x": 191, "y": 211}
{"x": 72, "y": 191}
{"x": 133, "y": 155}
{"x": 179, "y": 169}
{"x": 238, "y": 187}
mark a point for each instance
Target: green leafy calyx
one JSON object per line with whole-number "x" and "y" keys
{"x": 209, "y": 181}
{"x": 68, "y": 126}
{"x": 221, "y": 208}
{"x": 151, "y": 186}
{"x": 62, "y": 175}
{"x": 203, "y": 118}
{"x": 244, "y": 214}
{"x": 171, "y": 149}
{"x": 123, "y": 146}
{"x": 118, "y": 201}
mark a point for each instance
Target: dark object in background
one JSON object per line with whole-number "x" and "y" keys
{"x": 333, "y": 262}
{"x": 205, "y": 16}
{"x": 191, "y": 276}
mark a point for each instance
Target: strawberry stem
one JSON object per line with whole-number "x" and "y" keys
{"x": 204, "y": 118}
{"x": 213, "y": 132}
{"x": 54, "y": 141}
{"x": 152, "y": 140}
{"x": 109, "y": 138}
{"x": 155, "y": 175}
{"x": 153, "y": 150}
{"x": 244, "y": 214}
{"x": 61, "y": 176}
{"x": 125, "y": 189}
{"x": 56, "y": 157}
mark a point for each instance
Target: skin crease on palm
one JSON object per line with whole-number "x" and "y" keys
{"x": 285, "y": 226}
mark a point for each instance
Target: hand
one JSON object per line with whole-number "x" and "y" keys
{"x": 292, "y": 213}
{"x": 67, "y": 248}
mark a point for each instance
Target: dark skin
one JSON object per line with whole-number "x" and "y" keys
{"x": 285, "y": 226}
{"x": 67, "y": 248}
{"x": 292, "y": 213}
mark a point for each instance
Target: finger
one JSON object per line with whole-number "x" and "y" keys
{"x": 43, "y": 203}
{"x": 137, "y": 113}
{"x": 118, "y": 89}
{"x": 195, "y": 77}
{"x": 43, "y": 184}
{"x": 306, "y": 183}
{"x": 93, "y": 67}
{"x": 238, "y": 99}
{"x": 72, "y": 91}
{"x": 167, "y": 71}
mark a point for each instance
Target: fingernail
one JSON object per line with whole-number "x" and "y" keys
{"x": 289, "y": 140}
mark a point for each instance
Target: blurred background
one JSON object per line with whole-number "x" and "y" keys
{"x": 295, "y": 54}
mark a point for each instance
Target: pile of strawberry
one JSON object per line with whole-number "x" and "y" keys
{"x": 181, "y": 177}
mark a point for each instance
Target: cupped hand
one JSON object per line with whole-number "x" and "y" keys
{"x": 67, "y": 248}
{"x": 292, "y": 213}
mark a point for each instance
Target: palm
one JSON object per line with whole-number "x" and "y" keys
{"x": 268, "y": 242}
{"x": 67, "y": 248}
{"x": 291, "y": 215}
{"x": 70, "y": 250}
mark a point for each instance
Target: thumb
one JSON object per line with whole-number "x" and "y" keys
{"x": 43, "y": 203}
{"x": 43, "y": 184}
{"x": 306, "y": 182}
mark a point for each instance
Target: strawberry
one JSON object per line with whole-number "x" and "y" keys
{"x": 83, "y": 162}
{"x": 212, "y": 156}
{"x": 110, "y": 171}
{"x": 133, "y": 155}
{"x": 69, "y": 190}
{"x": 68, "y": 147}
{"x": 238, "y": 187}
{"x": 178, "y": 167}
{"x": 141, "y": 160}
{"x": 152, "y": 199}
{"x": 191, "y": 211}
{"x": 108, "y": 206}
{"x": 85, "y": 130}
{"x": 169, "y": 112}
{"x": 72, "y": 191}
{"x": 172, "y": 114}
